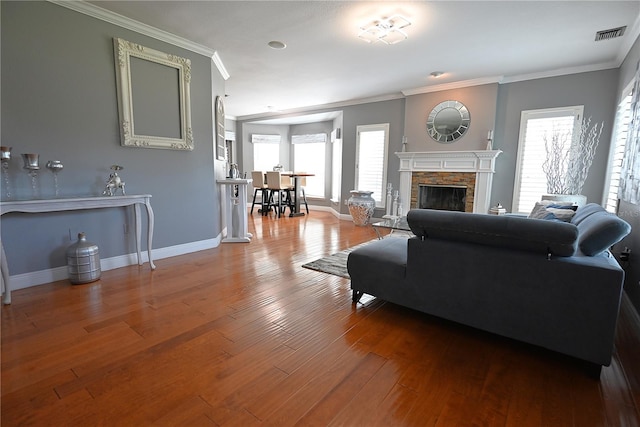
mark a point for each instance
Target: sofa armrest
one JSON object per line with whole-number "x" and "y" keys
{"x": 533, "y": 235}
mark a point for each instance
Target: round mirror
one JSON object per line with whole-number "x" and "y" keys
{"x": 448, "y": 121}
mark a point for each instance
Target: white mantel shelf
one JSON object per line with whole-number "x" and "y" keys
{"x": 480, "y": 162}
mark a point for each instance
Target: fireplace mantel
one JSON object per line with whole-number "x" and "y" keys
{"x": 482, "y": 162}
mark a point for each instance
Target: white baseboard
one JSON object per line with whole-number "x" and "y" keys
{"x": 344, "y": 217}
{"x": 34, "y": 278}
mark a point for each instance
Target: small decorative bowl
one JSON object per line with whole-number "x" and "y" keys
{"x": 55, "y": 165}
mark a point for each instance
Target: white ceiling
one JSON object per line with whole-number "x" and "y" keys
{"x": 472, "y": 42}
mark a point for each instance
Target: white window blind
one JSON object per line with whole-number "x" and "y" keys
{"x": 266, "y": 151}
{"x": 371, "y": 160}
{"x": 309, "y": 138}
{"x": 623, "y": 119}
{"x": 531, "y": 182}
{"x": 309, "y": 156}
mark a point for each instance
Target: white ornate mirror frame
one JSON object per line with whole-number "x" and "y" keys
{"x": 124, "y": 51}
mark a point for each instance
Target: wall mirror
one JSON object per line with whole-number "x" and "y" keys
{"x": 153, "y": 97}
{"x": 448, "y": 121}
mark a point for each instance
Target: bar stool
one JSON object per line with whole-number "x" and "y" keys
{"x": 302, "y": 182}
{"x": 260, "y": 185}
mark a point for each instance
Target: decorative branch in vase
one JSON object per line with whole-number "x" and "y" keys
{"x": 569, "y": 159}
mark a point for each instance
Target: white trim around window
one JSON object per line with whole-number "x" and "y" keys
{"x": 372, "y": 143}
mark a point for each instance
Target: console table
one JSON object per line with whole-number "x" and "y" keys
{"x": 235, "y": 209}
{"x": 78, "y": 203}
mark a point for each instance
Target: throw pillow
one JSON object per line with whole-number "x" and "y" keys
{"x": 553, "y": 211}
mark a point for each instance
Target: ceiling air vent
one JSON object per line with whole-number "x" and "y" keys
{"x": 610, "y": 34}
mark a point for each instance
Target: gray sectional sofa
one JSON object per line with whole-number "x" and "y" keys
{"x": 549, "y": 283}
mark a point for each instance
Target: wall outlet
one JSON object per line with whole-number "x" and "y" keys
{"x": 625, "y": 254}
{"x": 73, "y": 234}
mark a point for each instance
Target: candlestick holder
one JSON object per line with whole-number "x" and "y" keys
{"x": 490, "y": 140}
{"x": 55, "y": 166}
{"x": 388, "y": 210}
{"x": 32, "y": 166}
{"x": 395, "y": 201}
{"x": 5, "y": 156}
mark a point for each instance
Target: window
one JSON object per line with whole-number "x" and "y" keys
{"x": 336, "y": 166}
{"x": 266, "y": 151}
{"x": 371, "y": 160}
{"x": 623, "y": 119}
{"x": 309, "y": 156}
{"x": 536, "y": 125}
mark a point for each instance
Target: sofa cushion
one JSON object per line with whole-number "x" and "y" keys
{"x": 600, "y": 230}
{"x": 585, "y": 211}
{"x": 544, "y": 237}
{"x": 386, "y": 258}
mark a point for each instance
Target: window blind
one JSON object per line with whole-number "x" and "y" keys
{"x": 257, "y": 138}
{"x": 309, "y": 138}
{"x": 371, "y": 160}
{"x": 623, "y": 120}
{"x": 531, "y": 181}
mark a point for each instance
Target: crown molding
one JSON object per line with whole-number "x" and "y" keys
{"x": 561, "y": 72}
{"x": 511, "y": 79}
{"x": 319, "y": 108}
{"x": 221, "y": 68}
{"x": 147, "y": 30}
{"x": 452, "y": 85}
{"x": 630, "y": 38}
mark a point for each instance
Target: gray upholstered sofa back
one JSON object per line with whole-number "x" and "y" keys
{"x": 557, "y": 238}
{"x": 592, "y": 230}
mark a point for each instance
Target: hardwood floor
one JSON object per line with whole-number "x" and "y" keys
{"x": 242, "y": 335}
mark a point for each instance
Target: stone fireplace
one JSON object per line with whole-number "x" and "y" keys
{"x": 472, "y": 170}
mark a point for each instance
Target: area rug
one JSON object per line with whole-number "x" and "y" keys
{"x": 335, "y": 264}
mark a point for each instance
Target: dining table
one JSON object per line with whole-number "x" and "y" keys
{"x": 296, "y": 188}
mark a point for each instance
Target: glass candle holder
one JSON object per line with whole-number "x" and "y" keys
{"x": 31, "y": 164}
{"x": 55, "y": 166}
{"x": 5, "y": 156}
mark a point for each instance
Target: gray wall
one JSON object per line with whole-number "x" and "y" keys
{"x": 479, "y": 100}
{"x": 59, "y": 100}
{"x": 595, "y": 90}
{"x": 391, "y": 112}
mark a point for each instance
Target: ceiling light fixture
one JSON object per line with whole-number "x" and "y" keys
{"x": 385, "y": 30}
{"x": 436, "y": 74}
{"x": 276, "y": 44}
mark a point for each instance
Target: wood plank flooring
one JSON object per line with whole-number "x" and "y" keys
{"x": 242, "y": 335}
